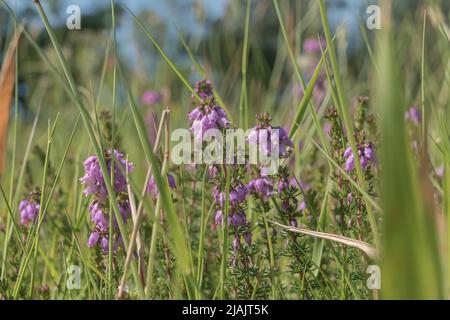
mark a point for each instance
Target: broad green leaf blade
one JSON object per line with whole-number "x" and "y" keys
{"x": 411, "y": 268}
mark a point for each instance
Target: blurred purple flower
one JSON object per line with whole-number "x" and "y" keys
{"x": 414, "y": 115}
{"x": 151, "y": 97}
{"x": 153, "y": 188}
{"x": 314, "y": 46}
{"x": 29, "y": 210}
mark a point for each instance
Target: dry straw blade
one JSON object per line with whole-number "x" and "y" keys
{"x": 364, "y": 246}
{"x": 7, "y": 79}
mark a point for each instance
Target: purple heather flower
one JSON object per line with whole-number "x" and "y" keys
{"x": 266, "y": 139}
{"x": 104, "y": 243}
{"x": 349, "y": 163}
{"x": 239, "y": 194}
{"x": 414, "y": 115}
{"x": 299, "y": 184}
{"x": 101, "y": 221}
{"x": 213, "y": 171}
{"x": 238, "y": 219}
{"x": 366, "y": 156}
{"x": 221, "y": 198}
{"x": 282, "y": 185}
{"x": 29, "y": 210}
{"x": 216, "y": 194}
{"x": 284, "y": 141}
{"x": 150, "y": 97}
{"x": 93, "y": 178}
{"x": 95, "y": 185}
{"x": 93, "y": 239}
{"x": 203, "y": 88}
{"x": 236, "y": 195}
{"x": 207, "y": 114}
{"x": 293, "y": 223}
{"x": 153, "y": 188}
{"x": 98, "y": 217}
{"x": 171, "y": 181}
{"x": 218, "y": 217}
{"x": 263, "y": 186}
{"x": 233, "y": 198}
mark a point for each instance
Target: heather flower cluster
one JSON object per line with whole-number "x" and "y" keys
{"x": 95, "y": 186}
{"x": 207, "y": 113}
{"x": 29, "y": 208}
{"x": 261, "y": 186}
{"x": 152, "y": 188}
{"x": 236, "y": 218}
{"x": 366, "y": 155}
{"x": 270, "y": 140}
